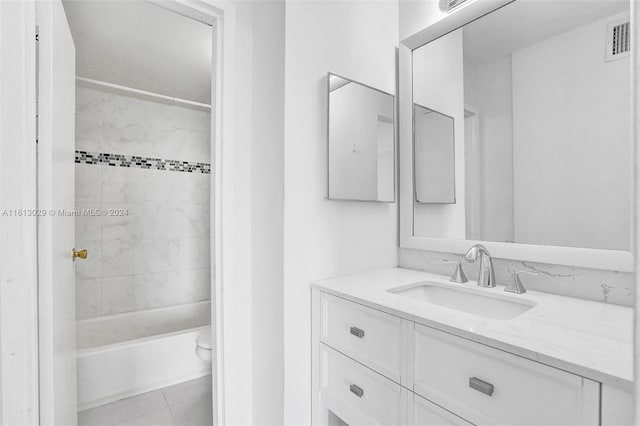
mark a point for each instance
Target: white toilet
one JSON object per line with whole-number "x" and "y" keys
{"x": 203, "y": 345}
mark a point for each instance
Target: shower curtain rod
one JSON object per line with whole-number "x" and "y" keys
{"x": 143, "y": 93}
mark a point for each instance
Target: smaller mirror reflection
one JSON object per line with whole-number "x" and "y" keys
{"x": 434, "y": 156}
{"x": 361, "y": 142}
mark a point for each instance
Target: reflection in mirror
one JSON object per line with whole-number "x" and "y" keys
{"x": 433, "y": 156}
{"x": 540, "y": 94}
{"x": 361, "y": 142}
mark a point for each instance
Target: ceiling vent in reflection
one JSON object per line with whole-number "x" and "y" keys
{"x": 448, "y": 5}
{"x": 618, "y": 39}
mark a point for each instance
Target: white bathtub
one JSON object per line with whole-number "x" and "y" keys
{"x": 127, "y": 354}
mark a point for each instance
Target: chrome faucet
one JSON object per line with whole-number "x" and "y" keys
{"x": 486, "y": 277}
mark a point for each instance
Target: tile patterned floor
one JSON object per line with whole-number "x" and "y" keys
{"x": 184, "y": 404}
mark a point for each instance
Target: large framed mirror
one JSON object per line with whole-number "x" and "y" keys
{"x": 538, "y": 162}
{"x": 361, "y": 142}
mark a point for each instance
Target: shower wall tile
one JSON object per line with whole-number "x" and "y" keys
{"x": 176, "y": 220}
{"x": 127, "y": 125}
{"x": 87, "y": 228}
{"x": 89, "y": 120}
{"x": 132, "y": 292}
{"x": 194, "y": 252}
{"x": 199, "y": 291}
{"x": 158, "y": 253}
{"x": 91, "y": 267}
{"x": 88, "y": 298}
{"x": 127, "y": 257}
{"x": 195, "y": 191}
{"x": 133, "y": 186}
{"x": 126, "y": 227}
{"x": 136, "y": 161}
{"x": 146, "y": 291}
{"x": 141, "y": 186}
{"x": 156, "y": 221}
{"x": 88, "y": 183}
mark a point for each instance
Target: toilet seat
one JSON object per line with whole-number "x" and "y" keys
{"x": 203, "y": 345}
{"x": 204, "y": 339}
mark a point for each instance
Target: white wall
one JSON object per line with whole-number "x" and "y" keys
{"x": 416, "y": 15}
{"x": 267, "y": 169}
{"x": 571, "y": 128}
{"x": 438, "y": 84}
{"x": 356, "y": 39}
{"x": 252, "y": 211}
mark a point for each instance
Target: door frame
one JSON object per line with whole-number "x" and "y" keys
{"x": 220, "y": 14}
{"x": 19, "y": 386}
{"x": 19, "y": 375}
{"x": 55, "y": 79}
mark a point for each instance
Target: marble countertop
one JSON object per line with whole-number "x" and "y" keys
{"x": 591, "y": 339}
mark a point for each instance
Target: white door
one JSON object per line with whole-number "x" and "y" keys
{"x": 56, "y": 281}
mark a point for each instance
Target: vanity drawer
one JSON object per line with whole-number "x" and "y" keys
{"x": 371, "y": 337}
{"x": 426, "y": 413}
{"x": 489, "y": 386}
{"x": 357, "y": 394}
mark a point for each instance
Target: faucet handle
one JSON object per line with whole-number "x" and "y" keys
{"x": 516, "y": 286}
{"x": 458, "y": 275}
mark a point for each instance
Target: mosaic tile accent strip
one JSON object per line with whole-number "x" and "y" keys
{"x": 119, "y": 160}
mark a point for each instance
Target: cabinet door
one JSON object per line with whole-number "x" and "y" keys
{"x": 426, "y": 413}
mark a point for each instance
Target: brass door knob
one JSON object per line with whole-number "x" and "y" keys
{"x": 82, "y": 254}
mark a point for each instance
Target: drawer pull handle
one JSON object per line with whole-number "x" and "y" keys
{"x": 357, "y": 332}
{"x": 356, "y": 390}
{"x": 481, "y": 386}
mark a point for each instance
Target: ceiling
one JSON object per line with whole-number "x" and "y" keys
{"x": 523, "y": 23}
{"x": 138, "y": 44}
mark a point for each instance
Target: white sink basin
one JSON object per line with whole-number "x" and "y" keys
{"x": 471, "y": 301}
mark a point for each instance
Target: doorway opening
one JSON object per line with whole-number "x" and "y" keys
{"x": 131, "y": 325}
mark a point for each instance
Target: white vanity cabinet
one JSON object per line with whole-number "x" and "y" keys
{"x": 374, "y": 368}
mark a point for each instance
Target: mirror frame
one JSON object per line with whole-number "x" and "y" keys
{"x": 395, "y": 142}
{"x": 613, "y": 260}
